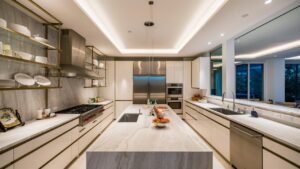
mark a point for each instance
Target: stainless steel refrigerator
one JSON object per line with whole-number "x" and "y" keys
{"x": 149, "y": 81}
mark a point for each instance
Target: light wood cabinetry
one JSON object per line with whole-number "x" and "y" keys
{"x": 124, "y": 80}
{"x": 174, "y": 71}
{"x": 42, "y": 155}
{"x": 272, "y": 161}
{"x": 211, "y": 127}
{"x": 196, "y": 73}
{"x": 6, "y": 158}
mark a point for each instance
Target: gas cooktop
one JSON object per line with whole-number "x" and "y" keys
{"x": 80, "y": 109}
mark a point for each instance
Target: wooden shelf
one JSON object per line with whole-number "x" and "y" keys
{"x": 47, "y": 46}
{"x": 50, "y": 66}
{"x": 29, "y": 88}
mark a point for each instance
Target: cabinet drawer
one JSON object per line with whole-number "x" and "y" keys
{"x": 42, "y": 155}
{"x": 282, "y": 150}
{"x": 6, "y": 158}
{"x": 39, "y": 141}
{"x": 271, "y": 161}
{"x": 84, "y": 141}
{"x": 61, "y": 161}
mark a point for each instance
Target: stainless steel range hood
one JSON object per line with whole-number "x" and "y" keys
{"x": 73, "y": 56}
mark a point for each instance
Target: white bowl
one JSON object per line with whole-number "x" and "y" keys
{"x": 101, "y": 65}
{"x": 3, "y": 23}
{"x": 95, "y": 62}
{"x": 20, "y": 28}
{"x": 41, "y": 59}
{"x": 24, "y": 55}
{"x": 40, "y": 39}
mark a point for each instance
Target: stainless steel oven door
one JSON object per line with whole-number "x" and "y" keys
{"x": 175, "y": 104}
{"x": 174, "y": 91}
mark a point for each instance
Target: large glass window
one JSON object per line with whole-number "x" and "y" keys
{"x": 216, "y": 71}
{"x": 242, "y": 81}
{"x": 249, "y": 81}
{"x": 292, "y": 82}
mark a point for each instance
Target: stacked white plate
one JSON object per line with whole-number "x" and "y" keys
{"x": 24, "y": 55}
{"x": 42, "y": 80}
{"x": 3, "y": 23}
{"x": 24, "y": 79}
{"x": 41, "y": 59}
{"x": 40, "y": 39}
{"x": 20, "y": 28}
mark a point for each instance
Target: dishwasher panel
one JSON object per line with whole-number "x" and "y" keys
{"x": 246, "y": 151}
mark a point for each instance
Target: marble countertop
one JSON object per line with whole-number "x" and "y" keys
{"x": 31, "y": 129}
{"x": 285, "y": 134}
{"x": 272, "y": 107}
{"x": 104, "y": 103}
{"x": 142, "y": 136}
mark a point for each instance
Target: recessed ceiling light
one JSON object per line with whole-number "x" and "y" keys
{"x": 209, "y": 43}
{"x": 222, "y": 34}
{"x": 267, "y": 2}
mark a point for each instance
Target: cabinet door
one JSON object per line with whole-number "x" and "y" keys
{"x": 196, "y": 73}
{"x": 178, "y": 71}
{"x": 271, "y": 161}
{"x": 169, "y": 72}
{"x": 174, "y": 71}
{"x": 124, "y": 80}
{"x": 220, "y": 139}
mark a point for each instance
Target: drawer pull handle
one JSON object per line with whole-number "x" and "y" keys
{"x": 246, "y": 133}
{"x": 81, "y": 130}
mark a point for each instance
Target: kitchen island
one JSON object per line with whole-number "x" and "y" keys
{"x": 140, "y": 145}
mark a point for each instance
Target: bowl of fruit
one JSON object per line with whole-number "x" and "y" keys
{"x": 161, "y": 122}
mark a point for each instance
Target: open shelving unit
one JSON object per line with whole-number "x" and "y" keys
{"x": 50, "y": 50}
{"x": 96, "y": 62}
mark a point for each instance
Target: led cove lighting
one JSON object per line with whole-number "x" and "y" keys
{"x": 199, "y": 20}
{"x": 275, "y": 49}
{"x": 268, "y": 2}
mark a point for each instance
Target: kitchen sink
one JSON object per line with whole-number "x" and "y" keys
{"x": 129, "y": 117}
{"x": 226, "y": 111}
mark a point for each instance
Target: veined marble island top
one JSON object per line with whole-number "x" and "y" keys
{"x": 132, "y": 145}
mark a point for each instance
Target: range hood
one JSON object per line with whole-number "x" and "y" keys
{"x": 73, "y": 57}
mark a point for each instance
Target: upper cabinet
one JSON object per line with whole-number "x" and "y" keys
{"x": 196, "y": 73}
{"x": 124, "y": 80}
{"x": 174, "y": 72}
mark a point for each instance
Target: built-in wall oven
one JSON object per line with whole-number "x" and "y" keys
{"x": 175, "y": 97}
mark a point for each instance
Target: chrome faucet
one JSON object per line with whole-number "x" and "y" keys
{"x": 233, "y": 99}
{"x": 223, "y": 96}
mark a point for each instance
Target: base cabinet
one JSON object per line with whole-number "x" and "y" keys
{"x": 216, "y": 134}
{"x": 272, "y": 161}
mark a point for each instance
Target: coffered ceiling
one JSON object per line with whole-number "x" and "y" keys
{"x": 182, "y": 27}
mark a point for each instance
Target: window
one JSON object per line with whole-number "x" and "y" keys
{"x": 292, "y": 82}
{"x": 249, "y": 81}
{"x": 216, "y": 71}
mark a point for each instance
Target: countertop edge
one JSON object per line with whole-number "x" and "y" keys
{"x": 290, "y": 145}
{"x": 21, "y": 141}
